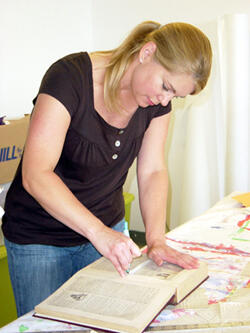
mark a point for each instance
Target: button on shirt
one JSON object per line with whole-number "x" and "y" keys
{"x": 117, "y": 143}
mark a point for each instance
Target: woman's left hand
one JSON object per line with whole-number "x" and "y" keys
{"x": 160, "y": 252}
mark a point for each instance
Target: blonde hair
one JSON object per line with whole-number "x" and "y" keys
{"x": 180, "y": 48}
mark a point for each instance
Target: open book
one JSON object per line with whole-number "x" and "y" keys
{"x": 98, "y": 297}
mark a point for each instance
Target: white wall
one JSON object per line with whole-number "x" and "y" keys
{"x": 114, "y": 18}
{"x": 34, "y": 34}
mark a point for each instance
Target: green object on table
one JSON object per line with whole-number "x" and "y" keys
{"x": 7, "y": 301}
{"x": 128, "y": 198}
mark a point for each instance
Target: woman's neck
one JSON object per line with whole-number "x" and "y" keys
{"x": 129, "y": 106}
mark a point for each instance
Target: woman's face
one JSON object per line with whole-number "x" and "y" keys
{"x": 152, "y": 84}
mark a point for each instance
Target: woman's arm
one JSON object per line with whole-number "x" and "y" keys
{"x": 153, "y": 188}
{"x": 49, "y": 124}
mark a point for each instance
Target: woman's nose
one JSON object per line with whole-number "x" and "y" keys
{"x": 165, "y": 98}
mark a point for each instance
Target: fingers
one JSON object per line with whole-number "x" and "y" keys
{"x": 122, "y": 254}
{"x": 184, "y": 260}
{"x": 116, "y": 247}
{"x": 188, "y": 262}
{"x": 156, "y": 256}
{"x": 118, "y": 266}
{"x": 135, "y": 251}
{"x": 163, "y": 253}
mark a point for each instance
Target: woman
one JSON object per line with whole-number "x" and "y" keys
{"x": 93, "y": 115}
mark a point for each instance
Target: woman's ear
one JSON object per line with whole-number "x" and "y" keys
{"x": 147, "y": 51}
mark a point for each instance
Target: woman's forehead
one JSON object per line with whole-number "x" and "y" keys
{"x": 182, "y": 84}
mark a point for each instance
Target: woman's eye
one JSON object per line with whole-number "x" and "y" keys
{"x": 164, "y": 87}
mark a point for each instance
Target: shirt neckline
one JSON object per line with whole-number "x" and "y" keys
{"x": 96, "y": 113}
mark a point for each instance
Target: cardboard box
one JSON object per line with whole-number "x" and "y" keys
{"x": 12, "y": 139}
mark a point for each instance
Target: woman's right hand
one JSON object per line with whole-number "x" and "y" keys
{"x": 116, "y": 247}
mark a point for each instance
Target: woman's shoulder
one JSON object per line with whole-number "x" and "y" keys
{"x": 74, "y": 68}
{"x": 66, "y": 79}
{"x": 79, "y": 60}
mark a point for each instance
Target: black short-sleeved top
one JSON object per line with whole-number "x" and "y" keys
{"x": 94, "y": 161}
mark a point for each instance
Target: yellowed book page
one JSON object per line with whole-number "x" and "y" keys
{"x": 108, "y": 301}
{"x": 183, "y": 280}
{"x": 104, "y": 264}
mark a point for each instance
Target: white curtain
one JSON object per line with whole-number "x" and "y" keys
{"x": 208, "y": 145}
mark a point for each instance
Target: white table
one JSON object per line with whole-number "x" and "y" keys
{"x": 222, "y": 303}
